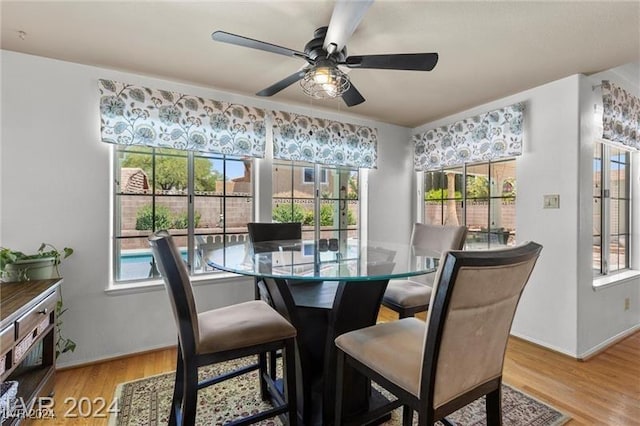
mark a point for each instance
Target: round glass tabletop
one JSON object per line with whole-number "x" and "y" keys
{"x": 327, "y": 260}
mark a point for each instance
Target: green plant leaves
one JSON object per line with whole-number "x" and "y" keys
{"x": 63, "y": 344}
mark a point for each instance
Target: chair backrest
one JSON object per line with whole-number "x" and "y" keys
{"x": 439, "y": 238}
{"x": 176, "y": 280}
{"x": 379, "y": 254}
{"x": 274, "y": 292}
{"x": 435, "y": 240}
{"x": 260, "y": 232}
{"x": 469, "y": 319}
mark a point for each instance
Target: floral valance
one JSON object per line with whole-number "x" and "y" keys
{"x": 495, "y": 134}
{"x": 133, "y": 115}
{"x": 317, "y": 140}
{"x": 620, "y": 116}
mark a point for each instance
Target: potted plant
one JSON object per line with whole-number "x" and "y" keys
{"x": 43, "y": 264}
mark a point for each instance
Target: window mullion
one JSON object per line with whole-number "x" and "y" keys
{"x": 464, "y": 195}
{"x": 117, "y": 219}
{"x": 316, "y": 199}
{"x": 606, "y": 211}
{"x": 627, "y": 211}
{"x": 191, "y": 212}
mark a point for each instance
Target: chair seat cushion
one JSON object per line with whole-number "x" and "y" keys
{"x": 242, "y": 325}
{"x": 407, "y": 293}
{"x": 393, "y": 350}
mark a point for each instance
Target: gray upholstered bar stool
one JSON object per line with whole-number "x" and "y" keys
{"x": 222, "y": 334}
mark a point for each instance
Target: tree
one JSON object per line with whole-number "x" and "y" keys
{"x": 477, "y": 187}
{"x": 205, "y": 176}
{"x": 353, "y": 187}
{"x": 171, "y": 172}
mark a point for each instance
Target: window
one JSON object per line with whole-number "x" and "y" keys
{"x": 204, "y": 200}
{"x": 309, "y": 174}
{"x": 328, "y": 209}
{"x": 481, "y": 196}
{"x": 611, "y": 209}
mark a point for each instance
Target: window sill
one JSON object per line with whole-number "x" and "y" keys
{"x": 615, "y": 279}
{"x": 116, "y": 289}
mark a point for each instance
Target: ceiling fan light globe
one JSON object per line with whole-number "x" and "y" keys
{"x": 323, "y": 82}
{"x": 322, "y": 75}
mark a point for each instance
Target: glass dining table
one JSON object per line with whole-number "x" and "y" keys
{"x": 325, "y": 288}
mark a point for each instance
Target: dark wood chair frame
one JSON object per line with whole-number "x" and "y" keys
{"x": 183, "y": 403}
{"x": 423, "y": 404}
{"x": 404, "y": 312}
{"x": 311, "y": 322}
{"x": 261, "y": 232}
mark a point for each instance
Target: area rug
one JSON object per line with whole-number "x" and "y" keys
{"x": 146, "y": 402}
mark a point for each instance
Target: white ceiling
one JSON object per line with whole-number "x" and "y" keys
{"x": 487, "y": 49}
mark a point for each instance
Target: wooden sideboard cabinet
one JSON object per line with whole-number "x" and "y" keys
{"x": 27, "y": 339}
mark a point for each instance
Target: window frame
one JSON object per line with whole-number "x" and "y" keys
{"x": 190, "y": 195}
{"x": 606, "y": 199}
{"x": 261, "y": 204}
{"x": 464, "y": 198}
{"x": 317, "y": 196}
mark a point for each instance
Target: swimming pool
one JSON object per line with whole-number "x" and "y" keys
{"x": 138, "y": 265}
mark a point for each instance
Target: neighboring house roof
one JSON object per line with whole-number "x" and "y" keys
{"x": 133, "y": 180}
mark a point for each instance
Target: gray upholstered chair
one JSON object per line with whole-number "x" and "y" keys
{"x": 409, "y": 296}
{"x": 438, "y": 367}
{"x": 219, "y": 335}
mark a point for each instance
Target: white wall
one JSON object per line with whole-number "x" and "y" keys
{"x": 547, "y": 313}
{"x": 601, "y": 315}
{"x": 55, "y": 187}
{"x": 390, "y": 187}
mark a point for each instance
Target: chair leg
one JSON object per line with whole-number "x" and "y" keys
{"x": 190, "y": 397}
{"x": 339, "y": 385}
{"x": 426, "y": 417}
{"x": 178, "y": 390}
{"x": 262, "y": 372}
{"x": 494, "y": 408}
{"x": 407, "y": 415}
{"x": 289, "y": 376}
{"x": 404, "y": 314}
{"x": 273, "y": 355}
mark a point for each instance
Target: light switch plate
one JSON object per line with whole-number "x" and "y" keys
{"x": 551, "y": 201}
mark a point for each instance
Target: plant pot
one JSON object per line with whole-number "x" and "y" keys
{"x": 30, "y": 269}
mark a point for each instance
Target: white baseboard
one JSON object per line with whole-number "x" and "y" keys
{"x": 110, "y": 357}
{"x": 607, "y": 343}
{"x": 545, "y": 345}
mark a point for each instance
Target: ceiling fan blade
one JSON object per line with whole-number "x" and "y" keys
{"x": 282, "y": 84}
{"x": 346, "y": 16}
{"x": 238, "y": 40}
{"x": 352, "y": 97}
{"x": 401, "y": 61}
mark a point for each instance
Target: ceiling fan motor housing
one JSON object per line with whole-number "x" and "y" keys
{"x": 314, "y": 49}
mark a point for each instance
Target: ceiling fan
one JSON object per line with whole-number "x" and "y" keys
{"x": 321, "y": 77}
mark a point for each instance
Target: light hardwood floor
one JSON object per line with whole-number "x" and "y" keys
{"x": 604, "y": 390}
